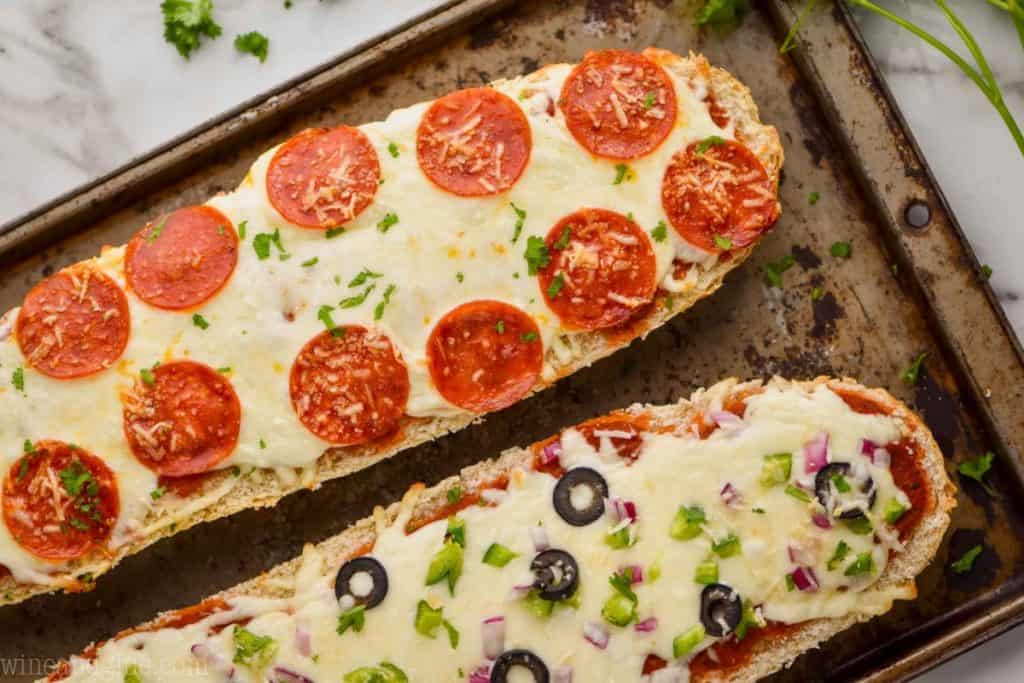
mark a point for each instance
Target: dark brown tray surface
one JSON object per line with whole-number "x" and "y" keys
{"x": 879, "y": 311}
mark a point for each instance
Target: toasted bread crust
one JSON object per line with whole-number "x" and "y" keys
{"x": 766, "y": 656}
{"x": 263, "y": 488}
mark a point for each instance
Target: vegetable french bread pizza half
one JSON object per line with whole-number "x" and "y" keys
{"x": 716, "y": 539}
{"x": 365, "y": 290}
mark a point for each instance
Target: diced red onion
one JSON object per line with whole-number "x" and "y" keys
{"x": 647, "y": 625}
{"x": 731, "y": 496}
{"x": 303, "y": 642}
{"x": 520, "y": 591}
{"x": 816, "y": 453}
{"x": 723, "y": 418}
{"x": 805, "y": 580}
{"x": 493, "y": 636}
{"x": 867, "y": 447}
{"x": 561, "y": 674}
{"x": 279, "y": 674}
{"x": 595, "y": 634}
{"x": 539, "y": 536}
{"x": 635, "y": 573}
{"x": 620, "y": 509}
{"x": 881, "y": 457}
{"x": 551, "y": 453}
{"x": 481, "y": 674}
{"x": 821, "y": 521}
{"x": 204, "y": 653}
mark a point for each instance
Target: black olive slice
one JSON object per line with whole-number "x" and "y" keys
{"x": 594, "y": 491}
{"x": 378, "y": 589}
{"x": 509, "y": 659}
{"x": 555, "y": 574}
{"x": 720, "y": 609}
{"x": 823, "y": 490}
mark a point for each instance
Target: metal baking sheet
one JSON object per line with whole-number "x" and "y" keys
{"x": 905, "y": 291}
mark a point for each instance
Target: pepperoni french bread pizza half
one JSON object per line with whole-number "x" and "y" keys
{"x": 716, "y": 539}
{"x": 363, "y": 290}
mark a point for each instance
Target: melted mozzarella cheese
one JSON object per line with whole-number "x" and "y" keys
{"x": 268, "y": 309}
{"x": 670, "y": 471}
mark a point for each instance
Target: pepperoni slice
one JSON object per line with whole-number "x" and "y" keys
{"x": 181, "y": 418}
{"x": 323, "y": 177}
{"x": 474, "y": 142}
{"x": 349, "y": 386}
{"x": 601, "y": 271}
{"x": 485, "y": 355}
{"x": 59, "y": 501}
{"x": 183, "y": 259}
{"x": 722, "y": 191}
{"x": 74, "y": 323}
{"x": 618, "y": 104}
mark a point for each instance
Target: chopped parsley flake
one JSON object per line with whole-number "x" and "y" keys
{"x": 986, "y": 271}
{"x": 384, "y": 224}
{"x": 723, "y": 242}
{"x": 773, "y": 270}
{"x": 841, "y": 249}
{"x": 454, "y": 494}
{"x": 813, "y": 198}
{"x": 528, "y": 336}
{"x": 913, "y": 371}
{"x": 358, "y": 299}
{"x": 556, "y": 286}
{"x": 520, "y": 220}
{"x": 158, "y": 492}
{"x": 225, "y": 369}
{"x": 334, "y": 232}
{"x": 154, "y": 235}
{"x": 393, "y": 150}
{"x": 966, "y": 561}
{"x": 536, "y": 254}
{"x": 253, "y": 43}
{"x": 241, "y": 229}
{"x": 721, "y": 14}
{"x": 18, "y": 379}
{"x": 147, "y": 376}
{"x": 620, "y": 173}
{"x": 649, "y": 100}
{"x": 660, "y": 232}
{"x": 364, "y": 275}
{"x": 499, "y": 327}
{"x": 977, "y": 469}
{"x": 27, "y": 447}
{"x": 817, "y": 293}
{"x": 78, "y": 480}
{"x": 185, "y": 21}
{"x": 459, "y": 277}
{"x": 132, "y": 674}
{"x": 261, "y": 245}
{"x": 323, "y": 314}
{"x": 263, "y": 444}
{"x": 563, "y": 239}
{"x": 378, "y": 312}
{"x": 311, "y": 262}
{"x": 199, "y": 321}
{"x": 707, "y": 143}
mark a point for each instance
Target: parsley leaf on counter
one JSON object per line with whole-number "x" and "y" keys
{"x": 977, "y": 469}
{"x": 986, "y": 271}
{"x": 721, "y": 13}
{"x": 185, "y": 21}
{"x": 841, "y": 249}
{"x": 813, "y": 198}
{"x": 966, "y": 561}
{"x": 773, "y": 270}
{"x": 913, "y": 371}
{"x": 253, "y": 43}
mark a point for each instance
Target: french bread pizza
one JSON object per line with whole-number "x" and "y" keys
{"x": 716, "y": 539}
{"x": 363, "y": 290}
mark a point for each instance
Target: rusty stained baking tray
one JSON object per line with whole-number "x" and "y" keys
{"x": 905, "y": 291}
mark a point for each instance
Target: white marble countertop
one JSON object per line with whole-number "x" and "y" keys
{"x": 88, "y": 85}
